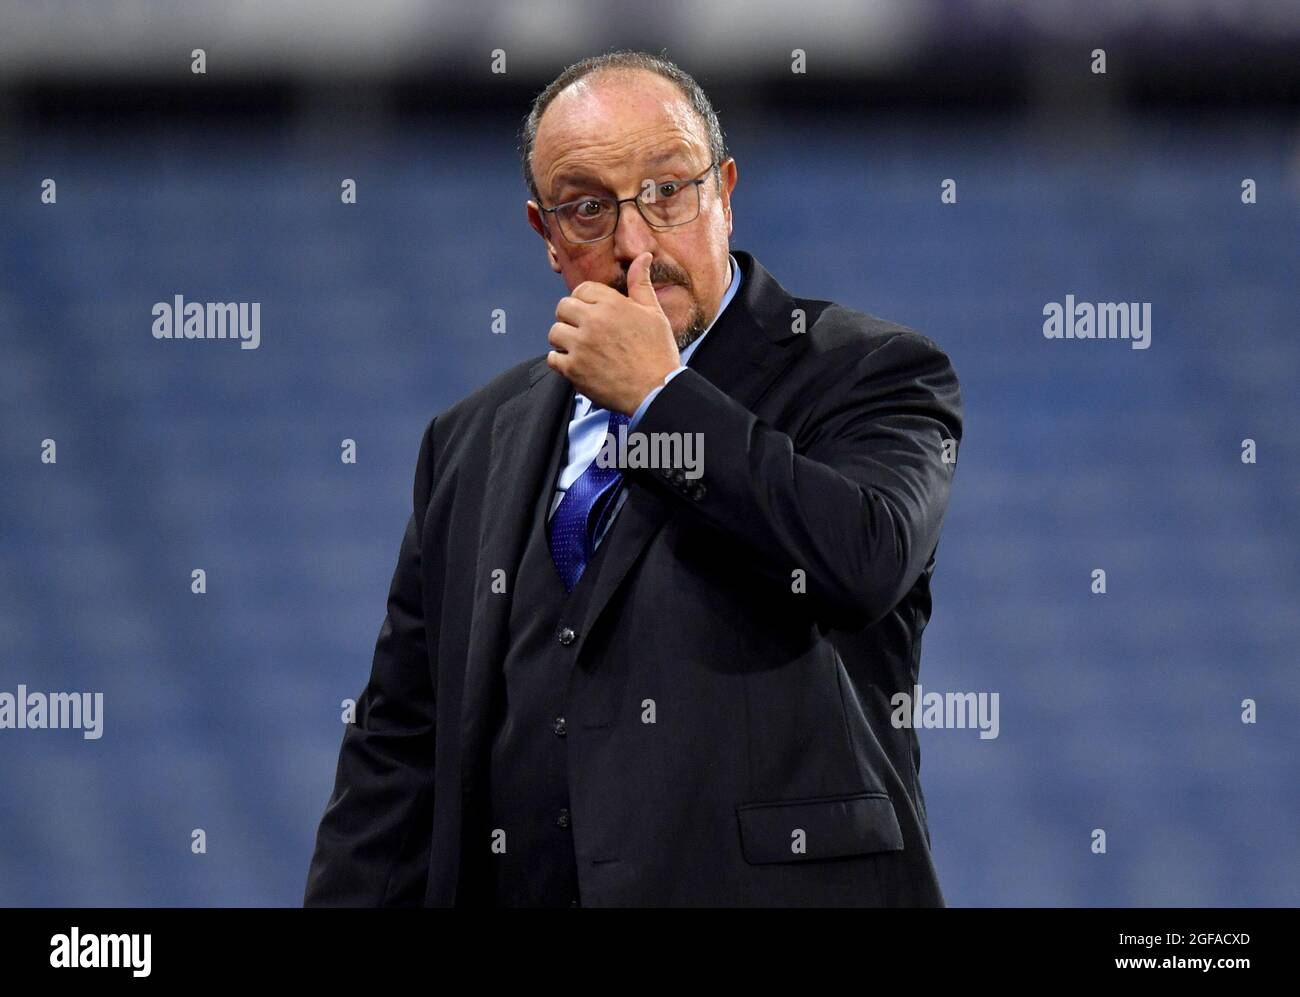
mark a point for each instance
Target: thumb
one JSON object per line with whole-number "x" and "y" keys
{"x": 639, "y": 286}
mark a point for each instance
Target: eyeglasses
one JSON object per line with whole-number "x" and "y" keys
{"x": 666, "y": 204}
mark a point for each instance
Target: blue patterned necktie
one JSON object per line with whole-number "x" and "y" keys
{"x": 576, "y": 523}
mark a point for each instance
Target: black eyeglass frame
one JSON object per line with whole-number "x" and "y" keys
{"x": 619, "y": 202}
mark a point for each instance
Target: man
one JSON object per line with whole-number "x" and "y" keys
{"x": 600, "y": 683}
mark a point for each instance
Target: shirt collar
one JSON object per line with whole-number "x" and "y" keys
{"x": 726, "y": 300}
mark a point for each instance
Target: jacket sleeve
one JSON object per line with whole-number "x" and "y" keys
{"x": 372, "y": 846}
{"x": 857, "y": 505}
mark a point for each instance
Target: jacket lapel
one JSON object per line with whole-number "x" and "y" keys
{"x": 523, "y": 432}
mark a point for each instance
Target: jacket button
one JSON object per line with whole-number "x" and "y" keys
{"x": 698, "y": 490}
{"x": 560, "y": 727}
{"x": 563, "y": 819}
{"x": 568, "y": 636}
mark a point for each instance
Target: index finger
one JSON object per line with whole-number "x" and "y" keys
{"x": 592, "y": 291}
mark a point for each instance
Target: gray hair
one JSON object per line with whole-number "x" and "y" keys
{"x": 624, "y": 59}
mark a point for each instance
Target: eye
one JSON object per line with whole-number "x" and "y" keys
{"x": 588, "y": 209}
{"x": 669, "y": 187}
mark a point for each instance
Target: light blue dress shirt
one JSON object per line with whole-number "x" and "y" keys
{"x": 588, "y": 424}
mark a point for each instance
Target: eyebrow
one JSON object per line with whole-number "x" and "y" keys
{"x": 578, "y": 177}
{"x": 575, "y": 178}
{"x": 670, "y": 154}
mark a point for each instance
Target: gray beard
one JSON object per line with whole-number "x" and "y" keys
{"x": 694, "y": 329}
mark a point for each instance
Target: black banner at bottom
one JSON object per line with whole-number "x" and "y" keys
{"x": 90, "y": 946}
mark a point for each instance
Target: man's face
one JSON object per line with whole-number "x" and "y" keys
{"x": 604, "y": 136}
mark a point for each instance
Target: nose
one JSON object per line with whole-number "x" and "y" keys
{"x": 632, "y": 236}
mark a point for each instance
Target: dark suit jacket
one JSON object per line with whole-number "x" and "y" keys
{"x": 761, "y": 616}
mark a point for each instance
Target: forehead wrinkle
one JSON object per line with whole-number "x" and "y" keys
{"x": 577, "y": 163}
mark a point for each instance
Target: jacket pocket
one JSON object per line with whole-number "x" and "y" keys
{"x": 831, "y": 826}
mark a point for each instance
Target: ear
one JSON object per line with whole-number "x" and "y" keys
{"x": 725, "y": 188}
{"x": 538, "y": 221}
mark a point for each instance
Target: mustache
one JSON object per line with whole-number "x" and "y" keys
{"x": 660, "y": 273}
